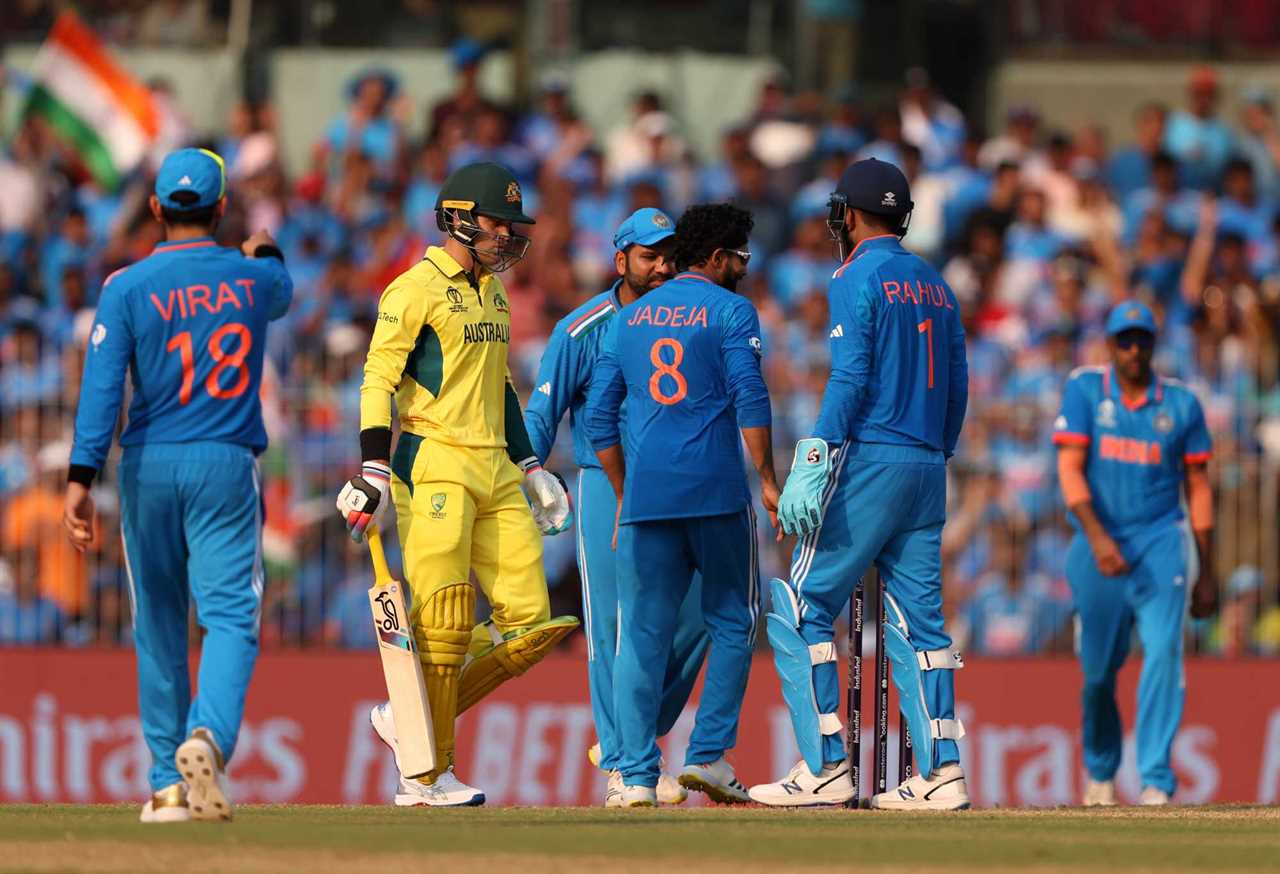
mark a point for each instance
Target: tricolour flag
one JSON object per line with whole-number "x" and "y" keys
{"x": 95, "y": 106}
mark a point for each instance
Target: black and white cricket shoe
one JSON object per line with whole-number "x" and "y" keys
{"x": 944, "y": 789}
{"x": 716, "y": 780}
{"x": 802, "y": 788}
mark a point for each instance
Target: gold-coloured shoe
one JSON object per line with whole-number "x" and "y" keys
{"x": 167, "y": 805}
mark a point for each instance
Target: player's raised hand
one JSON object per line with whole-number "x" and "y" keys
{"x": 1107, "y": 555}
{"x": 800, "y": 505}
{"x": 363, "y": 500}
{"x": 259, "y": 238}
{"x": 548, "y": 499}
{"x": 78, "y": 516}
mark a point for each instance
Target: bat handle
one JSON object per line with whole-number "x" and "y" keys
{"x": 381, "y": 572}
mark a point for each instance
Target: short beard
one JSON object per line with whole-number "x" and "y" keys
{"x": 629, "y": 279}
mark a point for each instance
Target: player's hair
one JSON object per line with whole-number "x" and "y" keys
{"x": 706, "y": 227}
{"x": 204, "y": 218}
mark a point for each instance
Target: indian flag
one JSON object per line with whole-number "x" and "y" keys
{"x": 94, "y": 105}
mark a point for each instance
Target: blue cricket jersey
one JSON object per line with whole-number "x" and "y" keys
{"x": 898, "y": 369}
{"x": 564, "y": 375}
{"x": 1137, "y": 454}
{"x": 189, "y": 324}
{"x": 686, "y": 359}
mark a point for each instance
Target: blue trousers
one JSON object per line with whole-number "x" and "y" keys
{"x": 191, "y": 519}
{"x": 597, "y": 566}
{"x": 1152, "y": 596}
{"x": 885, "y": 506}
{"x": 656, "y": 566}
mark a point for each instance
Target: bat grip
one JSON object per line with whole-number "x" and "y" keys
{"x": 381, "y": 572}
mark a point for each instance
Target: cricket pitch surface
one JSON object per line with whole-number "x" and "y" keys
{"x": 108, "y": 839}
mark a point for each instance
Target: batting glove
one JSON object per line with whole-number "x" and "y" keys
{"x": 363, "y": 500}
{"x": 800, "y": 507}
{"x": 548, "y": 499}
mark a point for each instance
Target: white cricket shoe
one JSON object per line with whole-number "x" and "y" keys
{"x": 670, "y": 791}
{"x": 1153, "y": 797}
{"x": 384, "y": 725}
{"x": 638, "y": 796}
{"x": 167, "y": 805}
{"x": 715, "y": 779}
{"x": 613, "y": 790}
{"x": 944, "y": 789}
{"x": 802, "y": 788}
{"x": 201, "y": 765}
{"x": 446, "y": 791}
{"x": 1100, "y": 793}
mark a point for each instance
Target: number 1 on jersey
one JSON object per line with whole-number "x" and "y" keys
{"x": 926, "y": 328}
{"x": 671, "y": 370}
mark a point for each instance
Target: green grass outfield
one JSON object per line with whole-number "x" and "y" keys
{"x": 318, "y": 840}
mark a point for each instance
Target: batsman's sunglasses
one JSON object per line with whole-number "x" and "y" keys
{"x": 1134, "y": 337}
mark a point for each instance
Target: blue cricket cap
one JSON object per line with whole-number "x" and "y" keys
{"x": 644, "y": 226}
{"x": 1130, "y": 315}
{"x": 191, "y": 179}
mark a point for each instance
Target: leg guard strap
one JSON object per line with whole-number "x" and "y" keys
{"x": 940, "y": 660}
{"x": 512, "y": 655}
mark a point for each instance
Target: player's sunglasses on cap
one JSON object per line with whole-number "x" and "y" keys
{"x": 1131, "y": 337}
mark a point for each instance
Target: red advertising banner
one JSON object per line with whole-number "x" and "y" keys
{"x": 69, "y": 732}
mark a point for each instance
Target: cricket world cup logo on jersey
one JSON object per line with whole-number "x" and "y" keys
{"x": 437, "y": 505}
{"x": 1107, "y": 414}
{"x": 456, "y": 304}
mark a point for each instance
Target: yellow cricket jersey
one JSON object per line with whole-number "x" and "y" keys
{"x": 440, "y": 347}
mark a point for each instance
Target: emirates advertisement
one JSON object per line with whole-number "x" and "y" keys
{"x": 69, "y": 732}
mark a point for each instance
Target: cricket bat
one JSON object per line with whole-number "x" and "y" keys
{"x": 411, "y": 711}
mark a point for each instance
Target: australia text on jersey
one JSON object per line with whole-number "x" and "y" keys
{"x": 486, "y": 332}
{"x": 193, "y": 296}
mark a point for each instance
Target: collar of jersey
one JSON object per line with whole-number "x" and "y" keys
{"x": 193, "y": 243}
{"x": 442, "y": 259}
{"x": 1111, "y": 388}
{"x": 613, "y": 295}
{"x": 689, "y": 274}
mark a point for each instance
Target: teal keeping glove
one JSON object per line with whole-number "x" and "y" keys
{"x": 800, "y": 508}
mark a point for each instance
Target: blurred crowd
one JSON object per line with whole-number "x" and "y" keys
{"x": 1038, "y": 230}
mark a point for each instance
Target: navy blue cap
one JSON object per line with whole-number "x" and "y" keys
{"x": 191, "y": 179}
{"x": 1129, "y": 315}
{"x": 876, "y": 187}
{"x": 644, "y": 226}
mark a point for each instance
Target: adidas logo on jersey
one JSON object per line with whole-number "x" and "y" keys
{"x": 545, "y": 388}
{"x": 837, "y": 331}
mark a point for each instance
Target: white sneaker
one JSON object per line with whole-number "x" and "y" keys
{"x": 638, "y": 796}
{"x": 670, "y": 791}
{"x": 944, "y": 789}
{"x": 1153, "y": 797}
{"x": 384, "y": 725}
{"x": 717, "y": 780}
{"x": 594, "y": 755}
{"x": 801, "y": 788}
{"x": 1100, "y": 793}
{"x": 200, "y": 763}
{"x": 167, "y": 805}
{"x": 447, "y": 791}
{"x": 613, "y": 790}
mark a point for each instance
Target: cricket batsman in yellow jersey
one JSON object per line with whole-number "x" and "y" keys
{"x": 440, "y": 350}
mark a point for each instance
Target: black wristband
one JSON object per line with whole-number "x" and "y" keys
{"x": 81, "y": 473}
{"x": 266, "y": 250}
{"x": 375, "y": 444}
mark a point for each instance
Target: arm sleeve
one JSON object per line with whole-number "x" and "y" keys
{"x": 742, "y": 350}
{"x": 281, "y": 285}
{"x": 852, "y": 357}
{"x": 1198, "y": 447}
{"x": 401, "y": 315}
{"x": 559, "y": 381}
{"x": 106, "y": 365}
{"x": 958, "y": 384}
{"x": 519, "y": 449}
{"x": 1074, "y": 425}
{"x": 604, "y": 398}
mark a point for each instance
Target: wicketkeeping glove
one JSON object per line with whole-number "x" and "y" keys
{"x": 548, "y": 499}
{"x": 363, "y": 500}
{"x": 800, "y": 507}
